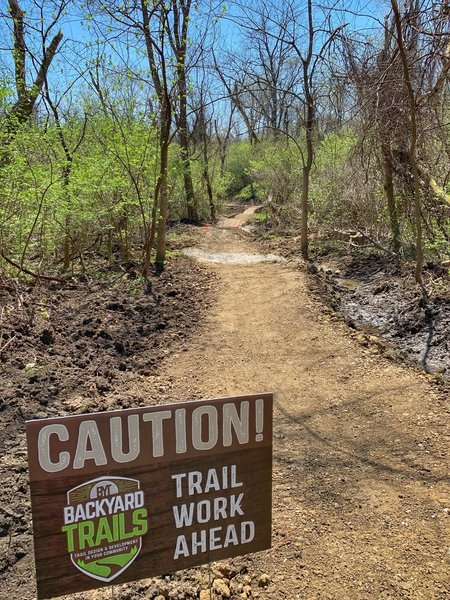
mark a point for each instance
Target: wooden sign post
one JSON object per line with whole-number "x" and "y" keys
{"x": 123, "y": 495}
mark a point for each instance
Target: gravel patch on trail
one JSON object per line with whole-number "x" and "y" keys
{"x": 230, "y": 258}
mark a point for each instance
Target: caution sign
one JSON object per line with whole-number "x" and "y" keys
{"x": 130, "y": 494}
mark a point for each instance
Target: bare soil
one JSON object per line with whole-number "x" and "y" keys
{"x": 361, "y": 484}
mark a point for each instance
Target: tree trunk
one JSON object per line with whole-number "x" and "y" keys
{"x": 412, "y": 154}
{"x": 212, "y": 206}
{"x": 309, "y": 131}
{"x": 304, "y": 207}
{"x": 191, "y": 201}
{"x": 388, "y": 172}
{"x": 26, "y": 96}
{"x": 307, "y": 166}
{"x": 160, "y": 81}
{"x": 150, "y": 232}
{"x": 163, "y": 188}
{"x": 67, "y": 245}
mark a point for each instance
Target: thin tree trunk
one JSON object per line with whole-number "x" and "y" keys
{"x": 67, "y": 245}
{"x": 388, "y": 172}
{"x": 150, "y": 232}
{"x": 159, "y": 76}
{"x": 26, "y": 95}
{"x": 307, "y": 165}
{"x": 191, "y": 200}
{"x": 163, "y": 189}
{"x": 412, "y": 145}
{"x": 304, "y": 207}
{"x": 309, "y": 131}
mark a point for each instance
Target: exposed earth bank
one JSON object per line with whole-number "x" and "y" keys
{"x": 361, "y": 487}
{"x": 382, "y": 299}
{"x": 377, "y": 295}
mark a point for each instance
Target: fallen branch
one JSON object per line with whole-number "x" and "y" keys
{"x": 432, "y": 184}
{"x": 8, "y": 343}
{"x": 377, "y": 244}
{"x": 27, "y": 271}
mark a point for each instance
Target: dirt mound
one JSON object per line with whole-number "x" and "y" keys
{"x": 68, "y": 347}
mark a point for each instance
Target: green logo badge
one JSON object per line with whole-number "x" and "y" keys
{"x": 104, "y": 522}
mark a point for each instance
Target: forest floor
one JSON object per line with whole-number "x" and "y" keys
{"x": 361, "y": 485}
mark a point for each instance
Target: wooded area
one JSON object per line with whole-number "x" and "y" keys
{"x": 211, "y": 199}
{"x": 118, "y": 119}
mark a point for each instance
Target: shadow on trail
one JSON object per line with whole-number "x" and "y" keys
{"x": 431, "y": 331}
{"x": 392, "y": 447}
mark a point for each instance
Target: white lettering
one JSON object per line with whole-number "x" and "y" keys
{"x": 156, "y": 420}
{"x": 181, "y": 548}
{"x": 44, "y": 448}
{"x": 182, "y": 515}
{"x": 68, "y": 515}
{"x": 196, "y": 543}
{"x": 214, "y": 539}
{"x": 220, "y": 508}
{"x": 88, "y": 434}
{"x": 231, "y": 537}
{"x": 94, "y": 509}
{"x": 235, "y": 505}
{"x": 215, "y": 542}
{"x": 178, "y": 479}
{"x": 247, "y": 532}
{"x": 212, "y": 427}
{"x": 194, "y": 479}
{"x": 239, "y": 423}
{"x": 204, "y": 511}
{"x": 180, "y": 431}
{"x": 234, "y": 481}
{"x": 212, "y": 481}
{"x": 134, "y": 445}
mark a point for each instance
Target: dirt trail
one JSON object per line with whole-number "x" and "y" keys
{"x": 361, "y": 495}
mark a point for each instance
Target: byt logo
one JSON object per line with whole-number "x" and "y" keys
{"x": 104, "y": 522}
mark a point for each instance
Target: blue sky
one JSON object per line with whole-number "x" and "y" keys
{"x": 364, "y": 17}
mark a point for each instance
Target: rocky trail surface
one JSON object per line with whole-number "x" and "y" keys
{"x": 361, "y": 484}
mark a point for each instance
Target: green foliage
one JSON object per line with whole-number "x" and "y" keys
{"x": 237, "y": 167}
{"x": 439, "y": 244}
{"x": 101, "y": 199}
{"x": 276, "y": 168}
{"x": 249, "y": 193}
{"x": 260, "y": 217}
{"x": 6, "y": 95}
{"x": 276, "y": 171}
{"x": 330, "y": 180}
{"x": 107, "y": 194}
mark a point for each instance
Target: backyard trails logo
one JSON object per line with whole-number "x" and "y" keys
{"x": 104, "y": 522}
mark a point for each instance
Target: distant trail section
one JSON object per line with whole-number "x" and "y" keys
{"x": 236, "y": 221}
{"x": 226, "y": 256}
{"x": 361, "y": 482}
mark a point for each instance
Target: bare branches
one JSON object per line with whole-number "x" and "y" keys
{"x": 27, "y": 96}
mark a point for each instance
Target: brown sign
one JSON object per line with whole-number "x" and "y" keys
{"x": 129, "y": 494}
